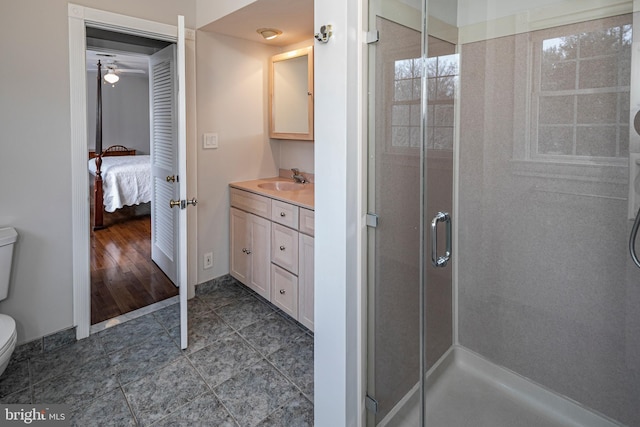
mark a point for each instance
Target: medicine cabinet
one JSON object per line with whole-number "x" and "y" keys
{"x": 291, "y": 95}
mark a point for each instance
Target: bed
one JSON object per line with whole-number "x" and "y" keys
{"x": 121, "y": 178}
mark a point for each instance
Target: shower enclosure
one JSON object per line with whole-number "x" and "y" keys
{"x": 516, "y": 118}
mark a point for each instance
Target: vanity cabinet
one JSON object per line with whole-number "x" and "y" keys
{"x": 250, "y": 250}
{"x": 283, "y": 231}
{"x": 305, "y": 280}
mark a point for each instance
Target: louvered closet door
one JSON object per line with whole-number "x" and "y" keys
{"x": 164, "y": 156}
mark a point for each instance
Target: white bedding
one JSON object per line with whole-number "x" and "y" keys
{"x": 126, "y": 180}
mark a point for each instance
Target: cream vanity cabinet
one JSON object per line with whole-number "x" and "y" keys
{"x": 250, "y": 245}
{"x": 285, "y": 232}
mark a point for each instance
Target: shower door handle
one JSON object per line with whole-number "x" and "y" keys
{"x": 440, "y": 261}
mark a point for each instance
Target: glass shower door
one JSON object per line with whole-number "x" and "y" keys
{"x": 410, "y": 180}
{"x": 532, "y": 104}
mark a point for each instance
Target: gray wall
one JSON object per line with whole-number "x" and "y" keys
{"x": 35, "y": 164}
{"x": 545, "y": 283}
{"x": 125, "y": 112}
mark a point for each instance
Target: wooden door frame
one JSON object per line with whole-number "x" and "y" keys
{"x": 79, "y": 18}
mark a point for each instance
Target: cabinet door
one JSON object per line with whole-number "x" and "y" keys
{"x": 305, "y": 281}
{"x": 284, "y": 290}
{"x": 260, "y": 247}
{"x": 284, "y": 249}
{"x": 239, "y": 236}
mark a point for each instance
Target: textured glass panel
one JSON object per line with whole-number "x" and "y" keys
{"x": 446, "y": 88}
{"x": 598, "y": 141}
{"x": 404, "y": 69}
{"x": 432, "y": 67}
{"x": 560, "y": 48}
{"x": 599, "y": 72}
{"x": 404, "y": 90}
{"x": 623, "y": 149}
{"x": 558, "y": 75}
{"x": 597, "y": 108}
{"x": 444, "y": 115}
{"x": 443, "y": 138}
{"x": 556, "y": 110}
{"x": 448, "y": 65}
{"x": 400, "y": 115}
{"x": 400, "y": 136}
{"x": 555, "y": 140}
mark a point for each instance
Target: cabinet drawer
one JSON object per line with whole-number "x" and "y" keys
{"x": 284, "y": 247}
{"x": 284, "y": 213}
{"x": 307, "y": 221}
{"x": 284, "y": 290}
{"x": 250, "y": 202}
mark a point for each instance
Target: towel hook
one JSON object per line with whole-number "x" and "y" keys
{"x": 324, "y": 34}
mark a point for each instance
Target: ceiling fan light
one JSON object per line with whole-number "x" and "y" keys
{"x": 111, "y": 77}
{"x": 269, "y": 33}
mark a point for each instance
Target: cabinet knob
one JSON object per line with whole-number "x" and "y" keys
{"x": 283, "y": 214}
{"x": 282, "y": 292}
{"x": 282, "y": 248}
{"x": 246, "y": 251}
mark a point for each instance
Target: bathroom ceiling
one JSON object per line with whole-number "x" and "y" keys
{"x": 293, "y": 17}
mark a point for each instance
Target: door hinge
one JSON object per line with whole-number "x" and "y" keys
{"x": 371, "y": 404}
{"x": 372, "y": 220}
{"x": 373, "y": 36}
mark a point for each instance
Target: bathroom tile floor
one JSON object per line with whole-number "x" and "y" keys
{"x": 247, "y": 365}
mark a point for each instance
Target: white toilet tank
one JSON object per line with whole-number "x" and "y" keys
{"x": 8, "y": 236}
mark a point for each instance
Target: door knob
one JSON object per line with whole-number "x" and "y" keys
{"x": 192, "y": 202}
{"x": 171, "y": 178}
{"x": 173, "y": 203}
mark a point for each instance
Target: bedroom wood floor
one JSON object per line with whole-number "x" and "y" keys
{"x": 123, "y": 277}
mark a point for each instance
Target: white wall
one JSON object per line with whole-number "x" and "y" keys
{"x": 296, "y": 154}
{"x": 125, "y": 112}
{"x": 35, "y": 164}
{"x": 339, "y": 149}
{"x": 211, "y": 10}
{"x": 232, "y": 82}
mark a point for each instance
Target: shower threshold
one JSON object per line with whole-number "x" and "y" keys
{"x": 465, "y": 389}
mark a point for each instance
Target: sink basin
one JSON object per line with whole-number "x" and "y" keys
{"x": 281, "y": 186}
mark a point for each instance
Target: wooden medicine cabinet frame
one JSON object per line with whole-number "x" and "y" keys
{"x": 290, "y": 102}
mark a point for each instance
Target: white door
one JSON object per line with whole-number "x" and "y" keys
{"x": 163, "y": 91}
{"x": 168, "y": 167}
{"x": 182, "y": 173}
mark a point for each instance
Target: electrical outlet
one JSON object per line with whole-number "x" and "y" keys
{"x": 208, "y": 260}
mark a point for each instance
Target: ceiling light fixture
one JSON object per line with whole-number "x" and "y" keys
{"x": 111, "y": 77}
{"x": 269, "y": 33}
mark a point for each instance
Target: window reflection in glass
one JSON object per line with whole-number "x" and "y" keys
{"x": 582, "y": 95}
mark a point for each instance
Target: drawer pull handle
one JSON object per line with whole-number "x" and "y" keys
{"x": 282, "y": 291}
{"x": 282, "y": 214}
{"x": 282, "y": 248}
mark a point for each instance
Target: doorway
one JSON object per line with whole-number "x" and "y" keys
{"x": 124, "y": 278}
{"x": 79, "y": 19}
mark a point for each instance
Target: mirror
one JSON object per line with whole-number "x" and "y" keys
{"x": 291, "y": 95}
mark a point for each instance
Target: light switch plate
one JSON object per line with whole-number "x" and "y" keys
{"x": 210, "y": 140}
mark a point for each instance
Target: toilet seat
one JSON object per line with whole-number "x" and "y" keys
{"x": 8, "y": 333}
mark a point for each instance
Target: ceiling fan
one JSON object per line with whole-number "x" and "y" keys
{"x": 114, "y": 65}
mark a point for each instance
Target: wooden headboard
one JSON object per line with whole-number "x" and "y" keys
{"x": 114, "y": 150}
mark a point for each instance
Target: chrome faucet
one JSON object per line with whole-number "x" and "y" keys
{"x": 297, "y": 176}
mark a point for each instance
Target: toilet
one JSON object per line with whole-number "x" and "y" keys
{"x": 8, "y": 334}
